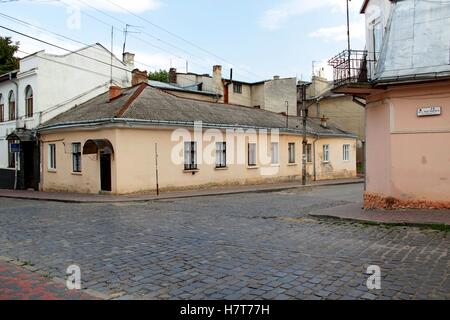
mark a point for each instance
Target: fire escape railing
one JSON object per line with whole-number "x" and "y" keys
{"x": 351, "y": 67}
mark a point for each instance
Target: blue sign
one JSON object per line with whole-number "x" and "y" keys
{"x": 14, "y": 147}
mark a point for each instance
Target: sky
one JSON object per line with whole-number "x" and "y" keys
{"x": 257, "y": 38}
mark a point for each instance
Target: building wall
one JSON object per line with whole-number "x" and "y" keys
{"x": 343, "y": 112}
{"x": 277, "y": 92}
{"x": 134, "y": 166}
{"x": 408, "y": 157}
{"x": 59, "y": 83}
{"x": 242, "y": 99}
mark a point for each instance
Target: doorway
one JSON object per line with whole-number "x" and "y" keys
{"x": 105, "y": 171}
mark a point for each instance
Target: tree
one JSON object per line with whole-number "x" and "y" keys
{"x": 8, "y": 61}
{"x": 161, "y": 75}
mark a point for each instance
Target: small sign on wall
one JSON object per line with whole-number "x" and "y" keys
{"x": 429, "y": 111}
{"x": 14, "y": 147}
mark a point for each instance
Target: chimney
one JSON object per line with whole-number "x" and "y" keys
{"x": 114, "y": 92}
{"x": 323, "y": 121}
{"x": 128, "y": 59}
{"x": 172, "y": 75}
{"x": 276, "y": 77}
{"x": 139, "y": 77}
{"x": 217, "y": 79}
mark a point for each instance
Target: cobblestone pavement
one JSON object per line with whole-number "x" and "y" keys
{"x": 245, "y": 246}
{"x": 19, "y": 284}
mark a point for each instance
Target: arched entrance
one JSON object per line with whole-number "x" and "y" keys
{"x": 105, "y": 150}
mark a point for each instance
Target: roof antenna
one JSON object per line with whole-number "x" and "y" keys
{"x": 112, "y": 48}
{"x": 126, "y": 31}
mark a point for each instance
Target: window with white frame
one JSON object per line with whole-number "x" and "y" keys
{"x": 221, "y": 154}
{"x": 190, "y": 155}
{"x": 326, "y": 153}
{"x": 346, "y": 152}
{"x": 377, "y": 35}
{"x": 52, "y": 156}
{"x": 12, "y": 106}
{"x": 252, "y": 154}
{"x": 291, "y": 152}
{"x": 76, "y": 157}
{"x": 28, "y": 102}
{"x": 275, "y": 153}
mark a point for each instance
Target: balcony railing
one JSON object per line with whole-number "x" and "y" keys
{"x": 352, "y": 67}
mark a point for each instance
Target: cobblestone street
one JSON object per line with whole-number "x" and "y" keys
{"x": 243, "y": 246}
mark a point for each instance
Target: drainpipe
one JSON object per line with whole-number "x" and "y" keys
{"x": 314, "y": 157}
{"x": 17, "y": 118}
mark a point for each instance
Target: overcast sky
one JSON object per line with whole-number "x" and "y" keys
{"x": 258, "y": 38}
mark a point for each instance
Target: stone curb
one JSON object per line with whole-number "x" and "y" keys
{"x": 181, "y": 196}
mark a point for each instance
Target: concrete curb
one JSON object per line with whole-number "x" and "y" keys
{"x": 180, "y": 196}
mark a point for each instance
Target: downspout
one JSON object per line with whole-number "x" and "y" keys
{"x": 314, "y": 157}
{"x": 17, "y": 118}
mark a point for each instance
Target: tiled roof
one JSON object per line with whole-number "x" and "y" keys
{"x": 146, "y": 103}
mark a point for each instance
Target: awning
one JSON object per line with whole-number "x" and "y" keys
{"x": 96, "y": 145}
{"x": 23, "y": 135}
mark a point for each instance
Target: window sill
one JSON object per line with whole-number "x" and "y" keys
{"x": 191, "y": 170}
{"x": 292, "y": 164}
{"x": 325, "y": 161}
{"x": 221, "y": 168}
{"x": 277, "y": 165}
{"x": 77, "y": 173}
{"x": 252, "y": 167}
{"x": 51, "y": 170}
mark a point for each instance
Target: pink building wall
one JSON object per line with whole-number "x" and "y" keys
{"x": 408, "y": 157}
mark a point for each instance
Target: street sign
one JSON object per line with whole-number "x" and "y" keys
{"x": 429, "y": 111}
{"x": 14, "y": 147}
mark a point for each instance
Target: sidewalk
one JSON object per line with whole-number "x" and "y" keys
{"x": 18, "y": 283}
{"x": 355, "y": 212}
{"x": 97, "y": 198}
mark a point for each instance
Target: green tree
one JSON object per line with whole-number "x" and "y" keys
{"x": 161, "y": 75}
{"x": 7, "y": 50}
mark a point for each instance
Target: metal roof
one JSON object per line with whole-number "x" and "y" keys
{"x": 417, "y": 41}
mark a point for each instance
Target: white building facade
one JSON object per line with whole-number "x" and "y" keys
{"x": 44, "y": 86}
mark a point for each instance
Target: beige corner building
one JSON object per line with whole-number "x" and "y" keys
{"x": 133, "y": 140}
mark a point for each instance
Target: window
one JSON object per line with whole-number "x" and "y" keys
{"x": 221, "y": 154}
{"x": 28, "y": 102}
{"x": 237, "y": 88}
{"x": 309, "y": 152}
{"x": 11, "y": 156}
{"x": 190, "y": 155}
{"x": 291, "y": 151}
{"x": 52, "y": 156}
{"x": 12, "y": 106}
{"x": 326, "y": 153}
{"x": 275, "y": 153}
{"x": 76, "y": 157}
{"x": 252, "y": 154}
{"x": 346, "y": 152}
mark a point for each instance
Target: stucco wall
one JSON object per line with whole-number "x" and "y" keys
{"x": 277, "y": 92}
{"x": 408, "y": 157}
{"x": 134, "y": 168}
